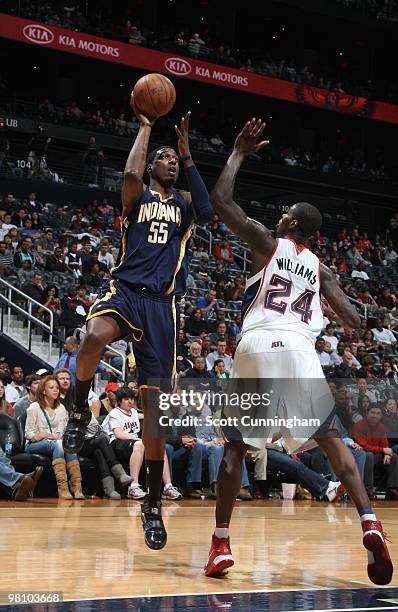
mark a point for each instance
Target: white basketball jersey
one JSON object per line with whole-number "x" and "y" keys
{"x": 285, "y": 294}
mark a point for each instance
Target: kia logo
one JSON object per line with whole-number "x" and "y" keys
{"x": 178, "y": 66}
{"x": 38, "y": 34}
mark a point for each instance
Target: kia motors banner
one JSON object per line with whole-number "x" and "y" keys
{"x": 155, "y": 61}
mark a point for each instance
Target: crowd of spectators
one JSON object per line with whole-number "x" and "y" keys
{"x": 200, "y": 44}
{"x": 107, "y": 118}
{"x": 60, "y": 257}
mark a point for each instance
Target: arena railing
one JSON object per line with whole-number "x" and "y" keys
{"x": 7, "y": 297}
{"x": 119, "y": 373}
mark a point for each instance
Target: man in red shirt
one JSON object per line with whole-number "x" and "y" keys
{"x": 370, "y": 434}
{"x": 224, "y": 252}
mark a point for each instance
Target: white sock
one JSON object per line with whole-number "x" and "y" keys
{"x": 368, "y": 517}
{"x": 221, "y": 532}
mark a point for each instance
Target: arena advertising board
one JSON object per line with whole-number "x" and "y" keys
{"x": 95, "y": 47}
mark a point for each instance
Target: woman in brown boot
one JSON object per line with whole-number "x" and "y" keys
{"x": 45, "y": 424}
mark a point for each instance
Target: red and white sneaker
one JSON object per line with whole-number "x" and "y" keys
{"x": 220, "y": 557}
{"x": 380, "y": 567}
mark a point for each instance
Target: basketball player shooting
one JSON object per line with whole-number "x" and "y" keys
{"x": 282, "y": 318}
{"x": 140, "y": 303}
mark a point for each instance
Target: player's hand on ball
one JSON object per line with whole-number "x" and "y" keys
{"x": 141, "y": 118}
{"x": 246, "y": 141}
{"x": 182, "y": 133}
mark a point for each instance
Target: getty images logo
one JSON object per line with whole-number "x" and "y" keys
{"x": 38, "y": 34}
{"x": 178, "y": 66}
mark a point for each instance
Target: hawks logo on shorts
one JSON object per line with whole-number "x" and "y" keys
{"x": 285, "y": 295}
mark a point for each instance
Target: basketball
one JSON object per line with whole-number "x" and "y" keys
{"x": 154, "y": 95}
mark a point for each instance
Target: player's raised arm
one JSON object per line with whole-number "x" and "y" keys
{"x": 255, "y": 234}
{"x": 338, "y": 299}
{"x": 198, "y": 195}
{"x": 133, "y": 184}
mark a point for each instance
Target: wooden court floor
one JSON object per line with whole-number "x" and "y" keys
{"x": 94, "y": 549}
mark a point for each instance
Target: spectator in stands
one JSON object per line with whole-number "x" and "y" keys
{"x": 219, "y": 353}
{"x": 69, "y": 318}
{"x": 6, "y": 258}
{"x": 45, "y": 424}
{"x": 371, "y": 435}
{"x": 369, "y": 341}
{"x": 195, "y": 350}
{"x": 96, "y": 445}
{"x": 218, "y": 370}
{"x": 196, "y": 45}
{"x": 293, "y": 469}
{"x": 34, "y": 289}
{"x": 213, "y": 450}
{"x": 224, "y": 252}
{"x": 106, "y": 402}
{"x": 236, "y": 326}
{"x": 46, "y": 244}
{"x": 235, "y": 292}
{"x": 104, "y": 256}
{"x": 66, "y": 389}
{"x": 92, "y": 161}
{"x": 345, "y": 419}
{"x": 181, "y": 444}
{"x": 208, "y": 304}
{"x": 220, "y": 334}
{"x": 59, "y": 222}
{"x": 196, "y": 326}
{"x": 51, "y": 301}
{"x": 390, "y": 420}
{"x": 5, "y": 406}
{"x": 368, "y": 365}
{"x": 363, "y": 405}
{"x": 17, "y": 380}
{"x": 56, "y": 261}
{"x": 6, "y": 225}
{"x": 202, "y": 378}
{"x": 68, "y": 357}
{"x": 17, "y": 486}
{"x": 136, "y": 38}
{"x": 330, "y": 335}
{"x": 362, "y": 389}
{"x": 348, "y": 336}
{"x": 324, "y": 357}
{"x": 212, "y": 323}
{"x": 123, "y": 427}
{"x": 389, "y": 371}
{"x": 73, "y": 260}
{"x": 24, "y": 254}
{"x": 11, "y": 394}
{"x": 384, "y": 336}
{"x": 31, "y": 385}
{"x": 347, "y": 368}
{"x": 386, "y": 299}
{"x": 219, "y": 274}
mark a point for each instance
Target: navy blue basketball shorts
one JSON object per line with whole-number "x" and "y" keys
{"x": 149, "y": 322}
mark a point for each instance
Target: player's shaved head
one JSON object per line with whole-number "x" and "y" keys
{"x": 309, "y": 218}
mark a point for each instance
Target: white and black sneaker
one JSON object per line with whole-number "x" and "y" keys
{"x": 171, "y": 492}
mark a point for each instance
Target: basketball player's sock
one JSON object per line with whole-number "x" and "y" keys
{"x": 82, "y": 389}
{"x": 154, "y": 475}
{"x": 222, "y": 530}
{"x": 366, "y": 514}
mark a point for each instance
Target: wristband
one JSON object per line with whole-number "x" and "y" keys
{"x": 186, "y": 157}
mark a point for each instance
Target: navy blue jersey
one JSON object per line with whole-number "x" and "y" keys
{"x": 153, "y": 249}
